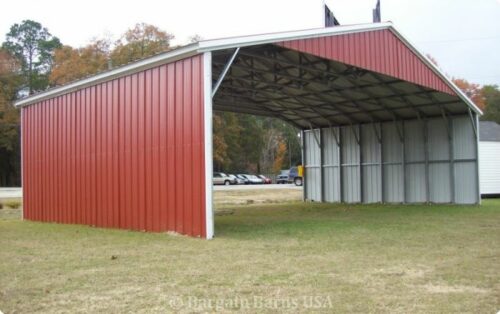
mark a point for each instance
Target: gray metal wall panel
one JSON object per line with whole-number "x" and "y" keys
{"x": 391, "y": 143}
{"x": 438, "y": 140}
{"x": 330, "y": 154}
{"x": 350, "y": 148}
{"x": 393, "y": 183}
{"x": 371, "y": 168}
{"x": 393, "y": 187}
{"x": 313, "y": 185}
{"x": 372, "y": 187}
{"x": 369, "y": 143}
{"x": 331, "y": 189}
{"x": 465, "y": 183}
{"x": 366, "y": 176}
{"x": 312, "y": 167}
{"x": 439, "y": 181}
{"x": 312, "y": 153}
{"x": 351, "y": 191}
{"x": 414, "y": 141}
{"x": 415, "y": 190}
{"x": 463, "y": 139}
{"x": 331, "y": 166}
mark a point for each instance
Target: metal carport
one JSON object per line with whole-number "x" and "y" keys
{"x": 380, "y": 123}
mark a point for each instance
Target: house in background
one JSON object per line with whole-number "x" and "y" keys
{"x": 489, "y": 158}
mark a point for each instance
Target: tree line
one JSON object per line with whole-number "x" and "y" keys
{"x": 33, "y": 60}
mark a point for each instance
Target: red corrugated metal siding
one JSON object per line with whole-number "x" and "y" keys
{"x": 127, "y": 153}
{"x": 380, "y": 51}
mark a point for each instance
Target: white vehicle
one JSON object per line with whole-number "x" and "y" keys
{"x": 237, "y": 179}
{"x": 222, "y": 178}
{"x": 254, "y": 179}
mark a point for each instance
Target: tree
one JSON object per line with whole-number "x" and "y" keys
{"x": 232, "y": 137}
{"x": 9, "y": 78}
{"x": 195, "y": 38}
{"x": 251, "y": 142}
{"x": 268, "y": 154}
{"x": 290, "y": 136}
{"x": 71, "y": 64}
{"x": 33, "y": 45}
{"x": 491, "y": 94}
{"x": 246, "y": 143}
{"x": 142, "y": 41}
{"x": 279, "y": 161}
{"x": 473, "y": 91}
{"x": 219, "y": 143}
{"x": 9, "y": 120}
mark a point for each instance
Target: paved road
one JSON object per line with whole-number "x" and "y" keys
{"x": 256, "y": 187}
{"x": 11, "y": 192}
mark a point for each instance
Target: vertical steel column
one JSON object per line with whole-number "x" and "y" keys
{"x": 379, "y": 141}
{"x": 477, "y": 159}
{"x": 207, "y": 113}
{"x": 321, "y": 179}
{"x": 341, "y": 177}
{"x": 304, "y": 174}
{"x": 336, "y": 136}
{"x": 382, "y": 183}
{"x": 426, "y": 152}
{"x": 360, "y": 156}
{"x": 403, "y": 159}
{"x": 452, "y": 160}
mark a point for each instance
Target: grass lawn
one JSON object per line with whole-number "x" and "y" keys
{"x": 260, "y": 196}
{"x": 273, "y": 257}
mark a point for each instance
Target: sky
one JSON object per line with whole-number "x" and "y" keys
{"x": 462, "y": 35}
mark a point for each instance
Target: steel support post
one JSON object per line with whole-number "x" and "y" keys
{"x": 426, "y": 152}
{"x": 321, "y": 180}
{"x": 403, "y": 162}
{"x": 304, "y": 161}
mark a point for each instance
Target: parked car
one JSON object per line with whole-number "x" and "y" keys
{"x": 238, "y": 180}
{"x": 254, "y": 179}
{"x": 242, "y": 177}
{"x": 266, "y": 179}
{"x": 295, "y": 175}
{"x": 222, "y": 178}
{"x": 282, "y": 178}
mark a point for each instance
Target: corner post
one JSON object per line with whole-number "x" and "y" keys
{"x": 478, "y": 185}
{"x": 207, "y": 116}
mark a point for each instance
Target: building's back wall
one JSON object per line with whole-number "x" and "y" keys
{"x": 415, "y": 161}
{"x": 127, "y": 153}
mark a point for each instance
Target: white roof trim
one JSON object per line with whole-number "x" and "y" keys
{"x": 251, "y": 40}
{"x": 148, "y": 63}
{"x": 233, "y": 42}
{"x": 437, "y": 71}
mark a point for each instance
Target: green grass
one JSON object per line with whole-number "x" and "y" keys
{"x": 363, "y": 258}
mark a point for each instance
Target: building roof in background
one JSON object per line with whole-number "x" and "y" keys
{"x": 489, "y": 131}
